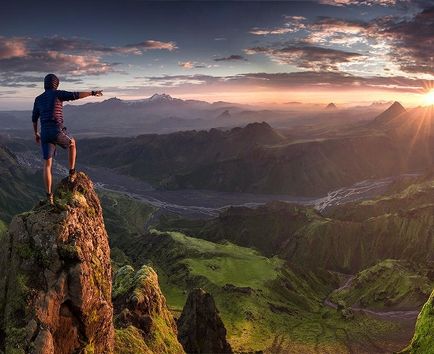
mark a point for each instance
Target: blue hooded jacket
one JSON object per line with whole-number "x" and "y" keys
{"x": 49, "y": 106}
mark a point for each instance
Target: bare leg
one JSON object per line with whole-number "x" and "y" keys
{"x": 47, "y": 174}
{"x": 72, "y": 153}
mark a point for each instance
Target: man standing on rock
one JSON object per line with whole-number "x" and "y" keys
{"x": 49, "y": 107}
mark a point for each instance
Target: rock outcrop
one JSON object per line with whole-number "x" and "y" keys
{"x": 423, "y": 339}
{"x": 55, "y": 277}
{"x": 200, "y": 328}
{"x": 143, "y": 321}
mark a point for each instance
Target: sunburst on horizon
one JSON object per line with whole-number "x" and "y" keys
{"x": 429, "y": 97}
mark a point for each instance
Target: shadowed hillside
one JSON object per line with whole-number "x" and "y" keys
{"x": 259, "y": 159}
{"x": 19, "y": 187}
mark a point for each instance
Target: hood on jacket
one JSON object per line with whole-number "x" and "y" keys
{"x": 51, "y": 82}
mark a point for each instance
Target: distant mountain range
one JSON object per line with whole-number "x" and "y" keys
{"x": 162, "y": 113}
{"x": 260, "y": 159}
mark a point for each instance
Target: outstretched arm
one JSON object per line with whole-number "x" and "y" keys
{"x": 89, "y": 93}
{"x": 71, "y": 96}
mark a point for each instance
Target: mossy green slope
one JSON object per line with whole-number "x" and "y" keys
{"x": 397, "y": 226}
{"x": 141, "y": 313}
{"x": 423, "y": 339}
{"x": 130, "y": 341}
{"x": 264, "y": 302}
{"x": 390, "y": 284}
{"x": 124, "y": 218}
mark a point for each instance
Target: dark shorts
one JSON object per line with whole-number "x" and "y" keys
{"x": 50, "y": 140}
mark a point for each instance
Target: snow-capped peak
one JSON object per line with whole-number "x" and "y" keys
{"x": 160, "y": 97}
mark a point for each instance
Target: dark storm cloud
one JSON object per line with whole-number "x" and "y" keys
{"x": 412, "y": 41}
{"x": 305, "y": 56}
{"x": 233, "y": 57}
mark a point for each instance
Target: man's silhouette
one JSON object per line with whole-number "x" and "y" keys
{"x": 49, "y": 108}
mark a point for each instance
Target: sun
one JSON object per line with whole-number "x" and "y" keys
{"x": 429, "y": 97}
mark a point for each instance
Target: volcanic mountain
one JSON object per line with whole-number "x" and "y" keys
{"x": 331, "y": 106}
{"x": 395, "y": 110}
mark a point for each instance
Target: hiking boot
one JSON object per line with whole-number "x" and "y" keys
{"x": 72, "y": 175}
{"x": 50, "y": 199}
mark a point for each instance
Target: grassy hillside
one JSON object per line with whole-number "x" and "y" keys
{"x": 390, "y": 284}
{"x": 264, "y": 302}
{"x": 124, "y": 218}
{"x": 348, "y": 239}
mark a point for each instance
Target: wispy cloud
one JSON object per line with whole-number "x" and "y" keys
{"x": 292, "y": 24}
{"x": 390, "y": 44}
{"x": 149, "y": 45}
{"x": 73, "y": 56}
{"x": 12, "y": 48}
{"x": 233, "y": 57}
{"x": 412, "y": 41}
{"x": 191, "y": 65}
{"x": 276, "y": 81}
{"x": 360, "y": 2}
{"x": 305, "y": 56}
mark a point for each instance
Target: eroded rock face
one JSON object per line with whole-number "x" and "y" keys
{"x": 200, "y": 328}
{"x": 141, "y": 313}
{"x": 55, "y": 277}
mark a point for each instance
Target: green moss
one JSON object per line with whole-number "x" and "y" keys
{"x": 123, "y": 281}
{"x": 284, "y": 303}
{"x": 15, "y": 340}
{"x": 99, "y": 277}
{"x": 423, "y": 339}
{"x": 69, "y": 251}
{"x": 162, "y": 338}
{"x": 389, "y": 283}
{"x": 130, "y": 341}
{"x": 24, "y": 250}
{"x": 63, "y": 197}
{"x": 119, "y": 259}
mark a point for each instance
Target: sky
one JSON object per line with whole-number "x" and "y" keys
{"x": 345, "y": 51}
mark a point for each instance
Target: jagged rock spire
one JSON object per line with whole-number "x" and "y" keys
{"x": 55, "y": 277}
